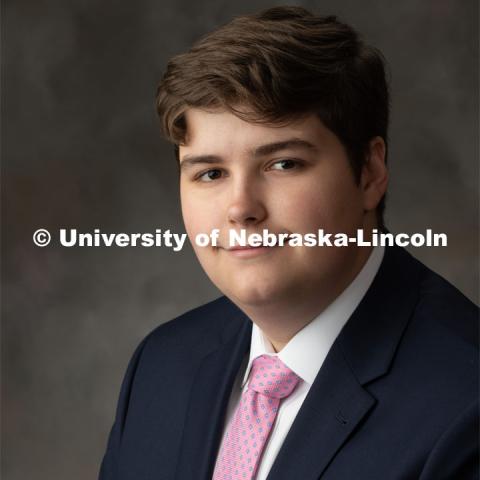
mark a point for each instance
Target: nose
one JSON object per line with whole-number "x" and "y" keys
{"x": 246, "y": 206}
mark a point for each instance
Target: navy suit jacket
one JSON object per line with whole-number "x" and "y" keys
{"x": 396, "y": 398}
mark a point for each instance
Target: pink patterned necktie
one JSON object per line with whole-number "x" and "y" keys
{"x": 270, "y": 380}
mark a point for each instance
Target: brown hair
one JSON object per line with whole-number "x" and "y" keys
{"x": 279, "y": 64}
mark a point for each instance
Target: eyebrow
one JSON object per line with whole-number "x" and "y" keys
{"x": 270, "y": 148}
{"x": 261, "y": 151}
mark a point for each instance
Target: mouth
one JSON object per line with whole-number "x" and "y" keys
{"x": 249, "y": 252}
{"x": 238, "y": 249}
{"x": 278, "y": 240}
{"x": 270, "y": 242}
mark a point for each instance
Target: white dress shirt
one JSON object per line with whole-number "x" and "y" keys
{"x": 304, "y": 354}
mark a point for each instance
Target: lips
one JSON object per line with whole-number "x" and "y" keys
{"x": 249, "y": 248}
{"x": 285, "y": 241}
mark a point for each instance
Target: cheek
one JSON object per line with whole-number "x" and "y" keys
{"x": 331, "y": 203}
{"x": 307, "y": 201}
{"x": 198, "y": 217}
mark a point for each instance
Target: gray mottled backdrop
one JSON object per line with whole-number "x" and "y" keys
{"x": 80, "y": 148}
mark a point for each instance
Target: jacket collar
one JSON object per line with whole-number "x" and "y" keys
{"x": 370, "y": 338}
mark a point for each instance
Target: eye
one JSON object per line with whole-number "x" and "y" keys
{"x": 209, "y": 175}
{"x": 286, "y": 164}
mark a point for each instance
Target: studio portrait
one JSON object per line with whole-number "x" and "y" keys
{"x": 240, "y": 241}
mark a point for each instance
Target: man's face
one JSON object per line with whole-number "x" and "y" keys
{"x": 287, "y": 179}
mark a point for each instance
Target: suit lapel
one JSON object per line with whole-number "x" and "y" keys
{"x": 363, "y": 352}
{"x": 334, "y": 406}
{"x": 209, "y": 397}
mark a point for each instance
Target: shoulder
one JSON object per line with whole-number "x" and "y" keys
{"x": 438, "y": 305}
{"x": 195, "y": 331}
{"x": 425, "y": 331}
{"x": 439, "y": 349}
{"x": 178, "y": 346}
{"x": 444, "y": 309}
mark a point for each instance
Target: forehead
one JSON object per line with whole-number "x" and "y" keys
{"x": 220, "y": 132}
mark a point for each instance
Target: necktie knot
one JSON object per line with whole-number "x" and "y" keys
{"x": 271, "y": 377}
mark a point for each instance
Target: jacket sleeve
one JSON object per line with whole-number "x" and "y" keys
{"x": 456, "y": 453}
{"x": 108, "y": 470}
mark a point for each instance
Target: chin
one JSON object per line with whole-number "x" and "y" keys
{"x": 256, "y": 293}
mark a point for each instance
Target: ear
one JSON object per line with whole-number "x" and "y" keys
{"x": 374, "y": 179}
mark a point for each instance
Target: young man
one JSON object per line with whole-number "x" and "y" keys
{"x": 319, "y": 362}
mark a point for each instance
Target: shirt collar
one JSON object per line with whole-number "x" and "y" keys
{"x": 306, "y": 351}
